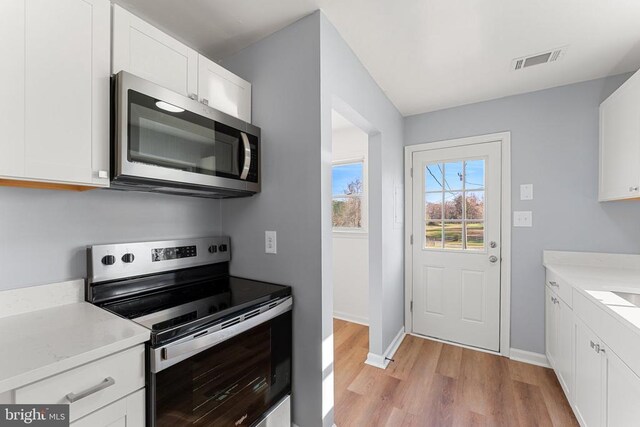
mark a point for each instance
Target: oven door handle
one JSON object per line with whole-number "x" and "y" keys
{"x": 246, "y": 165}
{"x": 166, "y": 356}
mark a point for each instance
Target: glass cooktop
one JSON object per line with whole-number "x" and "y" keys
{"x": 174, "y": 312}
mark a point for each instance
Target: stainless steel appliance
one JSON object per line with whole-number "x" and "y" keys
{"x": 165, "y": 142}
{"x": 220, "y": 348}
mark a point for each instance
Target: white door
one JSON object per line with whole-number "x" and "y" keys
{"x": 456, "y": 244}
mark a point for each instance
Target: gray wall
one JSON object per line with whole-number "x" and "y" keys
{"x": 44, "y": 233}
{"x": 284, "y": 70}
{"x": 348, "y": 88}
{"x": 554, "y": 137}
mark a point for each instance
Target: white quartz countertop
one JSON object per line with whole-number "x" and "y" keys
{"x": 45, "y": 342}
{"x": 598, "y": 283}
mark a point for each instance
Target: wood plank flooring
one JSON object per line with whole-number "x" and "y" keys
{"x": 435, "y": 384}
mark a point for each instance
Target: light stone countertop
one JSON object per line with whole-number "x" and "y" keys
{"x": 37, "y": 344}
{"x": 596, "y": 276}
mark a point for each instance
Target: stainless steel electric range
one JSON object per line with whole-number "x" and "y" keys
{"x": 220, "y": 349}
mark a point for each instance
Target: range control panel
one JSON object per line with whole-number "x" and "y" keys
{"x": 164, "y": 254}
{"x": 108, "y": 262}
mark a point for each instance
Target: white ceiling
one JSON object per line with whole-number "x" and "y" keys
{"x": 431, "y": 54}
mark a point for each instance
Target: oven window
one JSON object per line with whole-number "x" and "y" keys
{"x": 162, "y": 134}
{"x": 231, "y": 384}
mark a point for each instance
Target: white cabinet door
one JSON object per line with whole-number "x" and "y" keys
{"x": 141, "y": 49}
{"x": 126, "y": 412}
{"x": 589, "y": 385}
{"x": 221, "y": 89}
{"x": 551, "y": 327}
{"x": 564, "y": 348}
{"x": 67, "y": 90}
{"x": 620, "y": 142}
{"x": 12, "y": 99}
{"x": 623, "y": 393}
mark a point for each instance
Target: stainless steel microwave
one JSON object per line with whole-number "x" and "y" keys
{"x": 165, "y": 142}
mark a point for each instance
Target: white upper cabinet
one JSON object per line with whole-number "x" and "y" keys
{"x": 221, "y": 89}
{"x": 56, "y": 109}
{"x": 620, "y": 143}
{"x": 12, "y": 99}
{"x": 141, "y": 49}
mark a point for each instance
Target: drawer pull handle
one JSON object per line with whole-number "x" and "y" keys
{"x": 107, "y": 382}
{"x": 554, "y": 284}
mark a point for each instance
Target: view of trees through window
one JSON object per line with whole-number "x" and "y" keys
{"x": 348, "y": 191}
{"x": 454, "y": 205}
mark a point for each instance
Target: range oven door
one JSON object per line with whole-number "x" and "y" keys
{"x": 164, "y": 137}
{"x": 233, "y": 383}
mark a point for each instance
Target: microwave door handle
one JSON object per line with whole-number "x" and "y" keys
{"x": 246, "y": 165}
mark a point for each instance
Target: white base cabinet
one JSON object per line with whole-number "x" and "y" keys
{"x": 584, "y": 344}
{"x": 126, "y": 412}
{"x": 623, "y": 392}
{"x": 589, "y": 391}
{"x": 559, "y": 338}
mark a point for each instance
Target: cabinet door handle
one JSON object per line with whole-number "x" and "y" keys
{"x": 552, "y": 283}
{"x": 192, "y": 95}
{"x": 103, "y": 174}
{"x": 107, "y": 382}
{"x": 205, "y": 101}
{"x": 632, "y": 189}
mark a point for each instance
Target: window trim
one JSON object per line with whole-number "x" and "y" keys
{"x": 364, "y": 197}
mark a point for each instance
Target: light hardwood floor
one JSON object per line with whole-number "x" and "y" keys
{"x": 435, "y": 384}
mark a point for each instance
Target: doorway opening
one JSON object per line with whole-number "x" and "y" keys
{"x": 349, "y": 207}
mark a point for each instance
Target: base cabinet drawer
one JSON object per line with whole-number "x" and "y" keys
{"x": 90, "y": 387}
{"x": 126, "y": 412}
{"x": 560, "y": 287}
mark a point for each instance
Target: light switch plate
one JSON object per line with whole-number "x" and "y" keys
{"x": 526, "y": 192}
{"x": 523, "y": 219}
{"x": 270, "y": 242}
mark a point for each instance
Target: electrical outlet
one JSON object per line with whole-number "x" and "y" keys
{"x": 270, "y": 242}
{"x": 523, "y": 219}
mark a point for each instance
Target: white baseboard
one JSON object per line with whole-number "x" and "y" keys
{"x": 351, "y": 318}
{"x": 382, "y": 361}
{"x": 529, "y": 357}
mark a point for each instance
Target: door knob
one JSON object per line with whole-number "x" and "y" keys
{"x": 493, "y": 259}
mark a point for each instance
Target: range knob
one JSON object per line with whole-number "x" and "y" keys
{"x": 128, "y": 258}
{"x": 213, "y": 249}
{"x": 223, "y": 248}
{"x": 108, "y": 260}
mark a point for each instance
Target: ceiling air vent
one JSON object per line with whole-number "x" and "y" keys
{"x": 538, "y": 58}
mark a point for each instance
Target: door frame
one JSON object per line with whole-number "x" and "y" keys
{"x": 504, "y": 138}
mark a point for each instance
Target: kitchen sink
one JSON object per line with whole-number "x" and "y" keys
{"x": 632, "y": 298}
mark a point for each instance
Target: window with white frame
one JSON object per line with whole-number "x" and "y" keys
{"x": 349, "y": 195}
